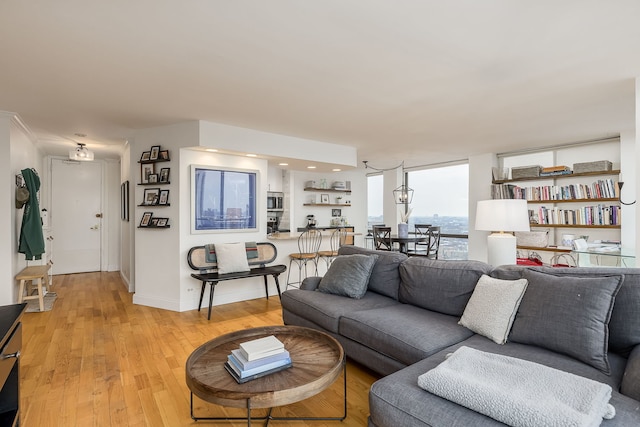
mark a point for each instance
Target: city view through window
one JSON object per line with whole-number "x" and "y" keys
{"x": 441, "y": 197}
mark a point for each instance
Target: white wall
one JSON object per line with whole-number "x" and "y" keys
{"x": 17, "y": 152}
{"x": 479, "y": 189}
{"x": 127, "y": 227}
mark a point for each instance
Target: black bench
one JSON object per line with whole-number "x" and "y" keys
{"x": 208, "y": 275}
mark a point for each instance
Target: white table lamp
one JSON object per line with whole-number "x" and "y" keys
{"x": 502, "y": 216}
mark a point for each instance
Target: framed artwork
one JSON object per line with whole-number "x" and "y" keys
{"x": 324, "y": 198}
{"x": 146, "y": 155}
{"x": 153, "y": 178}
{"x": 336, "y": 212}
{"x": 155, "y": 151}
{"x": 146, "y": 170}
{"x": 224, "y": 200}
{"x": 151, "y": 196}
{"x": 154, "y": 222}
{"x": 146, "y": 219}
{"x": 164, "y": 175}
{"x": 162, "y": 222}
{"x": 124, "y": 201}
{"x": 164, "y": 155}
{"x": 164, "y": 197}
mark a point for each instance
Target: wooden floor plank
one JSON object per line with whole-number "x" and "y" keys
{"x": 97, "y": 359}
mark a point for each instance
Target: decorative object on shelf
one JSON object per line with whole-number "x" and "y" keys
{"x": 151, "y": 196}
{"x": 81, "y": 153}
{"x": 336, "y": 212}
{"x": 526, "y": 172}
{"x": 153, "y": 178}
{"x": 598, "y": 166}
{"x": 339, "y": 200}
{"x": 402, "y": 195}
{"x": 324, "y": 198}
{"x": 163, "y": 155}
{"x": 155, "y": 151}
{"x": 498, "y": 216}
{"x": 533, "y": 239}
{"x": 164, "y": 175}
{"x": 145, "y": 157}
{"x": 162, "y": 222}
{"x": 146, "y": 169}
{"x": 164, "y": 197}
{"x": 146, "y": 219}
{"x": 620, "y": 184}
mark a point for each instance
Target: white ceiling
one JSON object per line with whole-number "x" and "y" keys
{"x": 423, "y": 81}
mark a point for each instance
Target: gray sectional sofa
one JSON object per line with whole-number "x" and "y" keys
{"x": 406, "y": 322}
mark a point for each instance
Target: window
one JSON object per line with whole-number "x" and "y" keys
{"x": 223, "y": 199}
{"x": 374, "y": 200}
{"x": 441, "y": 197}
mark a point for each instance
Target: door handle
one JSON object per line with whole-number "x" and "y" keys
{"x": 95, "y": 227}
{"x": 98, "y": 215}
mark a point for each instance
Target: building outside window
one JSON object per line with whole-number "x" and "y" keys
{"x": 374, "y": 200}
{"x": 441, "y": 197}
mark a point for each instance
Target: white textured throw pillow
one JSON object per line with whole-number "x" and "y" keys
{"x": 231, "y": 258}
{"x": 492, "y": 307}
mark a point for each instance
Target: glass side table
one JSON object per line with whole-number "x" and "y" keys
{"x": 605, "y": 257}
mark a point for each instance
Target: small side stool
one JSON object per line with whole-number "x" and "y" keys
{"x": 38, "y": 276}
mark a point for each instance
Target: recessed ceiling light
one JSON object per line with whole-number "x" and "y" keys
{"x": 211, "y": 150}
{"x": 311, "y": 167}
{"x": 336, "y": 170}
{"x": 283, "y": 164}
{"x": 252, "y": 155}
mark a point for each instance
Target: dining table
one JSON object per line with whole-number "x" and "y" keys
{"x": 403, "y": 242}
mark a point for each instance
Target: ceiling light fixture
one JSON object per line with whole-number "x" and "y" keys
{"x": 211, "y": 150}
{"x": 402, "y": 195}
{"x": 336, "y": 170}
{"x": 311, "y": 167}
{"x": 283, "y": 164}
{"x": 252, "y": 155}
{"x": 81, "y": 153}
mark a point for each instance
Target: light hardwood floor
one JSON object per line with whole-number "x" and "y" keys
{"x": 97, "y": 359}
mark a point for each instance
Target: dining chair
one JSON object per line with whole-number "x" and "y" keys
{"x": 421, "y": 230}
{"x": 382, "y": 238}
{"x": 432, "y": 245}
{"x": 308, "y": 246}
{"x": 337, "y": 239}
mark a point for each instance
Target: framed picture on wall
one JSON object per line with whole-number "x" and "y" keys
{"x": 324, "y": 198}
{"x": 151, "y": 196}
{"x": 164, "y": 175}
{"x": 336, "y": 212}
{"x": 164, "y": 197}
{"x": 146, "y": 170}
{"x": 146, "y": 219}
{"x": 164, "y": 155}
{"x": 146, "y": 155}
{"x": 155, "y": 151}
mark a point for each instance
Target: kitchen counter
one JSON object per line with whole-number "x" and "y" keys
{"x": 325, "y": 231}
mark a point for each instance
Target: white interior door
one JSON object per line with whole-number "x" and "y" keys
{"x": 76, "y": 216}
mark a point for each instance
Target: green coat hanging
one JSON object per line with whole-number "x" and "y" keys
{"x": 31, "y": 237}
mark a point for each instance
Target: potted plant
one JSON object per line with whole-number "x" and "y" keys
{"x": 403, "y": 226}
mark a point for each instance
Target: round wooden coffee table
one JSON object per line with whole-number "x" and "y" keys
{"x": 318, "y": 360}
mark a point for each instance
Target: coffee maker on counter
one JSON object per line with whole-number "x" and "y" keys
{"x": 311, "y": 221}
{"x": 273, "y": 222}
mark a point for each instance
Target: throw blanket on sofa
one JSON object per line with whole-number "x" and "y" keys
{"x": 517, "y": 392}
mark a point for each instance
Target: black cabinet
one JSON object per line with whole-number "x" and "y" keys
{"x": 10, "y": 347}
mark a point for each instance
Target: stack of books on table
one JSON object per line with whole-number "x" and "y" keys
{"x": 257, "y": 358}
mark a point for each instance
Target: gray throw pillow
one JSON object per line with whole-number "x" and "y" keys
{"x": 569, "y": 315}
{"x": 348, "y": 276}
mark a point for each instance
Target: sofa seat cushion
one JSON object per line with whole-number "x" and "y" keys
{"x": 438, "y": 285}
{"x": 396, "y": 400}
{"x": 325, "y": 310}
{"x": 403, "y": 332}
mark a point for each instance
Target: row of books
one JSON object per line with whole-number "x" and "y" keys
{"x": 257, "y": 358}
{"x": 601, "y": 189}
{"x": 587, "y": 215}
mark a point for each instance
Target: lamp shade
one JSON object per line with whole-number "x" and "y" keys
{"x": 502, "y": 215}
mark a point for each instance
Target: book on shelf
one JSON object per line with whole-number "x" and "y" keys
{"x": 555, "y": 169}
{"x": 243, "y": 378}
{"x": 261, "y": 347}
{"x": 556, "y": 173}
{"x": 245, "y": 364}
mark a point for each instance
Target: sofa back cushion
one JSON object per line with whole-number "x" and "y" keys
{"x": 624, "y": 326}
{"x": 438, "y": 285}
{"x": 385, "y": 277}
